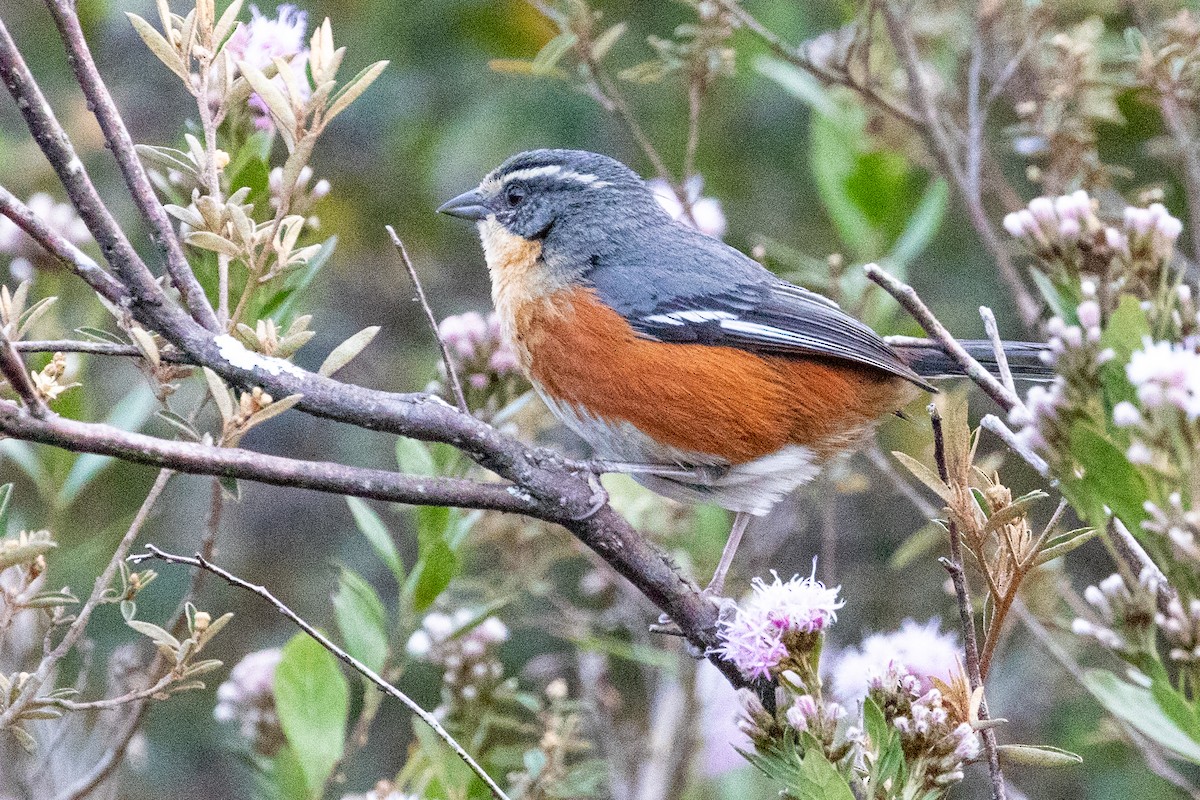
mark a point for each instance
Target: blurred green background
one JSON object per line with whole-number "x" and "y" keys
{"x": 430, "y": 127}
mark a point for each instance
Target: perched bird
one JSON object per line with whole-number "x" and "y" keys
{"x": 681, "y": 361}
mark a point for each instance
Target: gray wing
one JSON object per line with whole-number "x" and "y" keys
{"x": 733, "y": 301}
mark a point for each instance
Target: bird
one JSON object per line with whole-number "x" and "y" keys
{"x": 680, "y": 360}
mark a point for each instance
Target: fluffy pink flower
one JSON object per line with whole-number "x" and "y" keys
{"x": 265, "y": 38}
{"x": 752, "y": 638}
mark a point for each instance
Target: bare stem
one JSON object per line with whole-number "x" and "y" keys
{"x": 996, "y": 425}
{"x": 200, "y": 562}
{"x": 12, "y": 367}
{"x": 907, "y": 297}
{"x": 451, "y": 370}
{"x": 993, "y": 332}
{"x": 954, "y": 565}
{"x": 941, "y": 144}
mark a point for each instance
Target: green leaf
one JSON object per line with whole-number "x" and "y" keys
{"x": 922, "y": 226}
{"x": 798, "y": 83}
{"x": 287, "y": 777}
{"x": 352, "y": 90}
{"x": 547, "y": 59}
{"x": 377, "y": 535}
{"x": 5, "y": 496}
{"x": 437, "y": 563}
{"x": 346, "y": 352}
{"x": 1030, "y": 755}
{"x": 1108, "y": 480}
{"x": 1127, "y": 327}
{"x": 414, "y": 458}
{"x": 279, "y": 305}
{"x": 819, "y": 780}
{"x": 362, "y": 620}
{"x": 312, "y": 698}
{"x": 1137, "y": 706}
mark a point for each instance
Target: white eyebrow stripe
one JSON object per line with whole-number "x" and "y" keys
{"x": 680, "y": 317}
{"x": 556, "y": 171}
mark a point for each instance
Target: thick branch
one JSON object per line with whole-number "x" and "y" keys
{"x": 61, "y": 248}
{"x": 101, "y": 104}
{"x": 429, "y": 719}
{"x": 201, "y": 459}
{"x": 52, "y": 138}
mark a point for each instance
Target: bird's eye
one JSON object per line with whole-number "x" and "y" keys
{"x": 514, "y": 194}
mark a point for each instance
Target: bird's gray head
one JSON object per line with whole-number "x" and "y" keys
{"x": 532, "y": 193}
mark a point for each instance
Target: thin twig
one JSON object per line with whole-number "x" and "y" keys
{"x": 993, "y": 332}
{"x": 695, "y": 101}
{"x": 451, "y": 370}
{"x": 202, "y": 563}
{"x": 92, "y": 348}
{"x": 954, "y": 565}
{"x": 121, "y": 145}
{"x": 941, "y": 145}
{"x": 61, "y": 248}
{"x": 907, "y": 297}
{"x": 1189, "y": 149}
{"x": 976, "y": 111}
{"x": 12, "y": 367}
{"x": 996, "y": 425}
{"x": 46, "y": 667}
{"x": 112, "y": 757}
{"x": 1138, "y": 561}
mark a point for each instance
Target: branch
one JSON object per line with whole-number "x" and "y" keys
{"x": 451, "y": 370}
{"x": 954, "y": 565}
{"x": 201, "y": 562}
{"x": 61, "y": 248}
{"x": 944, "y": 151}
{"x": 203, "y": 459}
{"x": 996, "y": 425}
{"x": 53, "y": 141}
{"x": 907, "y": 297}
{"x": 101, "y": 104}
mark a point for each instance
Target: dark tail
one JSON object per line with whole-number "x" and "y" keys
{"x": 928, "y": 359}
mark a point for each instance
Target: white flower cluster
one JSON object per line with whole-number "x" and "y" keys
{"x": 1125, "y": 613}
{"x": 807, "y": 714}
{"x": 1059, "y": 221}
{"x": 1167, "y": 374}
{"x": 466, "y": 652}
{"x": 1179, "y": 525}
{"x": 59, "y": 217}
{"x": 923, "y": 651}
{"x": 485, "y": 360}
{"x": 264, "y": 39}
{"x": 247, "y": 698}
{"x": 1181, "y": 629}
{"x": 929, "y": 729}
{"x": 1050, "y": 224}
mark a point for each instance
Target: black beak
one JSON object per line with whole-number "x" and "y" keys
{"x": 468, "y": 205}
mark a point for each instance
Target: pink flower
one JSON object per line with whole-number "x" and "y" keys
{"x": 752, "y": 638}
{"x": 264, "y": 39}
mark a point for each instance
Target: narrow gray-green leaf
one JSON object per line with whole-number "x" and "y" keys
{"x": 354, "y": 89}
{"x": 220, "y": 394}
{"x": 161, "y": 48}
{"x": 377, "y": 535}
{"x": 345, "y": 352}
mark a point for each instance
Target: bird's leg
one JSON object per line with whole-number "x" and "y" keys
{"x": 702, "y": 474}
{"x": 740, "y": 521}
